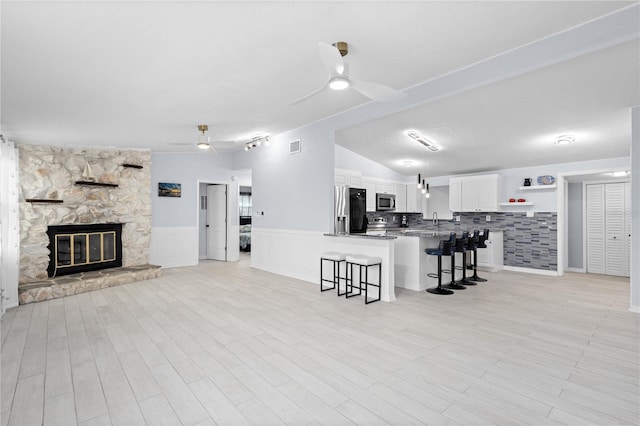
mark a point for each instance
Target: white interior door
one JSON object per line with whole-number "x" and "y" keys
{"x": 609, "y": 228}
{"x": 615, "y": 243}
{"x": 217, "y": 222}
{"x": 595, "y": 229}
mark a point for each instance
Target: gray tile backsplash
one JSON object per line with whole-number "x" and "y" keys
{"x": 529, "y": 242}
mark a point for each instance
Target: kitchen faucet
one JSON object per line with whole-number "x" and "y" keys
{"x": 435, "y": 219}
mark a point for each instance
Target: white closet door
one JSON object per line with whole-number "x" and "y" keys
{"x": 595, "y": 229}
{"x": 615, "y": 243}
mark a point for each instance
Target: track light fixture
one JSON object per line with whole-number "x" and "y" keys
{"x": 257, "y": 141}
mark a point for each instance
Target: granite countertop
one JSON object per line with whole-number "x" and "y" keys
{"x": 430, "y": 231}
{"x": 369, "y": 236}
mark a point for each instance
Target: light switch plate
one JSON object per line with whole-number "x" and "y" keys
{"x": 530, "y": 214}
{"x": 488, "y": 218}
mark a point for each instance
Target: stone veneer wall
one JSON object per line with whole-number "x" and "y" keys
{"x": 47, "y": 172}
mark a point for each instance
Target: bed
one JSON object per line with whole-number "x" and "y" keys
{"x": 245, "y": 238}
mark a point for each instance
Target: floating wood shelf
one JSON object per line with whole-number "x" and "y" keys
{"x": 536, "y": 187}
{"x": 89, "y": 183}
{"x": 132, "y": 166}
{"x": 42, "y": 200}
{"x": 528, "y": 203}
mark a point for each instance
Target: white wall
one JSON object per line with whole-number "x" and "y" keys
{"x": 175, "y": 232}
{"x": 346, "y": 159}
{"x": 292, "y": 191}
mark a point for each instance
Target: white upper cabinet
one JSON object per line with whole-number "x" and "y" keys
{"x": 475, "y": 193}
{"x": 455, "y": 194}
{"x": 384, "y": 187}
{"x": 369, "y": 185}
{"x": 412, "y": 199}
{"x": 400, "y": 190}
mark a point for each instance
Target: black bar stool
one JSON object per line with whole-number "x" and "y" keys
{"x": 460, "y": 247}
{"x": 444, "y": 249}
{"x": 482, "y": 243}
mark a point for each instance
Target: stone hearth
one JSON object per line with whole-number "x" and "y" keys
{"x": 68, "y": 285}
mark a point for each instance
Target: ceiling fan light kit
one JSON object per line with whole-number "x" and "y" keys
{"x": 203, "y": 139}
{"x": 339, "y": 79}
{"x": 338, "y": 83}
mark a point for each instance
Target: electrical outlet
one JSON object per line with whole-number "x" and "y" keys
{"x": 530, "y": 214}
{"x": 488, "y": 218}
{"x": 457, "y": 218}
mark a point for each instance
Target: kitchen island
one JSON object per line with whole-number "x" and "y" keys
{"x": 404, "y": 262}
{"x": 412, "y": 265}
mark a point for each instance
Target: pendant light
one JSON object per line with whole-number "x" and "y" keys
{"x": 424, "y": 188}
{"x": 426, "y": 194}
{"x": 419, "y": 181}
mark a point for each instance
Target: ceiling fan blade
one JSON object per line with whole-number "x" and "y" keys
{"x": 376, "y": 91}
{"x": 224, "y": 145}
{"x": 331, "y": 58}
{"x": 305, "y": 97}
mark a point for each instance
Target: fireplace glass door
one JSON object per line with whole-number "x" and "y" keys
{"x": 82, "y": 249}
{"x": 79, "y": 248}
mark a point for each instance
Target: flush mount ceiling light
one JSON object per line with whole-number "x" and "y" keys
{"x": 203, "y": 139}
{"x": 565, "y": 140}
{"x": 431, "y": 146}
{"x": 407, "y": 163}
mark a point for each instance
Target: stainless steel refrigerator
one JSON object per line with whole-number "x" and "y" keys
{"x": 350, "y": 210}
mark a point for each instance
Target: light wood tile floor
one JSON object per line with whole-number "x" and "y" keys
{"x": 225, "y": 344}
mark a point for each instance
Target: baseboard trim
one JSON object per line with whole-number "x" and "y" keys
{"x": 531, "y": 271}
{"x": 578, "y": 270}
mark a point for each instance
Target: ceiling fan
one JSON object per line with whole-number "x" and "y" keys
{"x": 331, "y": 55}
{"x": 204, "y": 142}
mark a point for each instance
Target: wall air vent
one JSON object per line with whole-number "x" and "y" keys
{"x": 294, "y": 147}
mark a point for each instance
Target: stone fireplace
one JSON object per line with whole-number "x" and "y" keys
{"x": 57, "y": 197}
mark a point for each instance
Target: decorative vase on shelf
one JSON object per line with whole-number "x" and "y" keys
{"x": 527, "y": 181}
{"x": 87, "y": 174}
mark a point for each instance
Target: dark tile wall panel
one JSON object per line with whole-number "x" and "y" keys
{"x": 529, "y": 242}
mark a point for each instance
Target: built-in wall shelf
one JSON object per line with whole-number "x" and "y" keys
{"x": 42, "y": 200}
{"x": 527, "y": 203}
{"x": 89, "y": 183}
{"x": 132, "y": 166}
{"x": 536, "y": 187}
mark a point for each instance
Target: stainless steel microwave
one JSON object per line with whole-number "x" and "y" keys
{"x": 385, "y": 202}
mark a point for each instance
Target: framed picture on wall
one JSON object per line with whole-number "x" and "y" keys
{"x": 169, "y": 189}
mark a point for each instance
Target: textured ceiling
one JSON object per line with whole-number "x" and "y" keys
{"x": 145, "y": 74}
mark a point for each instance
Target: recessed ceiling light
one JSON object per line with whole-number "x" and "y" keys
{"x": 564, "y": 140}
